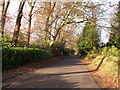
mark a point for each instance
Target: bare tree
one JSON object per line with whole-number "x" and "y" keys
{"x": 57, "y": 16}
{"x": 5, "y": 6}
{"x": 67, "y": 18}
{"x": 31, "y": 4}
{"x": 18, "y": 24}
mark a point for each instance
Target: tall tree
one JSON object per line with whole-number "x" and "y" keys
{"x": 5, "y": 6}
{"x": 115, "y": 30}
{"x": 89, "y": 37}
{"x": 49, "y": 8}
{"x": 18, "y": 24}
{"x": 66, "y": 14}
{"x": 52, "y": 18}
{"x": 31, "y": 4}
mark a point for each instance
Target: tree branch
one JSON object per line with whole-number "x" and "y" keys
{"x": 76, "y": 22}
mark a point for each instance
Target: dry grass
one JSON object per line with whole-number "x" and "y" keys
{"x": 104, "y": 79}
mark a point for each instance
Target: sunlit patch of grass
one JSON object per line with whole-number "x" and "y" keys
{"x": 91, "y": 56}
{"x": 109, "y": 65}
{"x": 97, "y": 60}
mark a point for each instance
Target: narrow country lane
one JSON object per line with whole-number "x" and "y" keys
{"x": 67, "y": 73}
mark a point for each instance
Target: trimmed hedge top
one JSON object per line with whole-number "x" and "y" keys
{"x": 14, "y": 57}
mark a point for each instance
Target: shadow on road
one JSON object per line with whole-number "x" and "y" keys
{"x": 69, "y": 61}
{"x": 43, "y": 81}
{"x": 40, "y": 81}
{"x": 69, "y": 73}
{"x": 47, "y": 79}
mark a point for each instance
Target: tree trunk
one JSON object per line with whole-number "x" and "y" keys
{"x": 3, "y": 16}
{"x": 49, "y": 22}
{"x": 29, "y": 24}
{"x": 29, "y": 29}
{"x": 18, "y": 24}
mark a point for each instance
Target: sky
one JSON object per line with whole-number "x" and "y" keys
{"x": 104, "y": 35}
{"x": 104, "y": 31}
{"x": 15, "y": 3}
{"x": 113, "y": 1}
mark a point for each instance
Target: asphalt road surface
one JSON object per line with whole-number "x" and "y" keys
{"x": 67, "y": 73}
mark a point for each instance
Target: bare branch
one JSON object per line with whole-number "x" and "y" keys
{"x": 76, "y": 22}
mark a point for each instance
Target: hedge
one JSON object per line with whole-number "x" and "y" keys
{"x": 14, "y": 57}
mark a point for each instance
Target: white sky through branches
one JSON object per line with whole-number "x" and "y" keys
{"x": 104, "y": 35}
